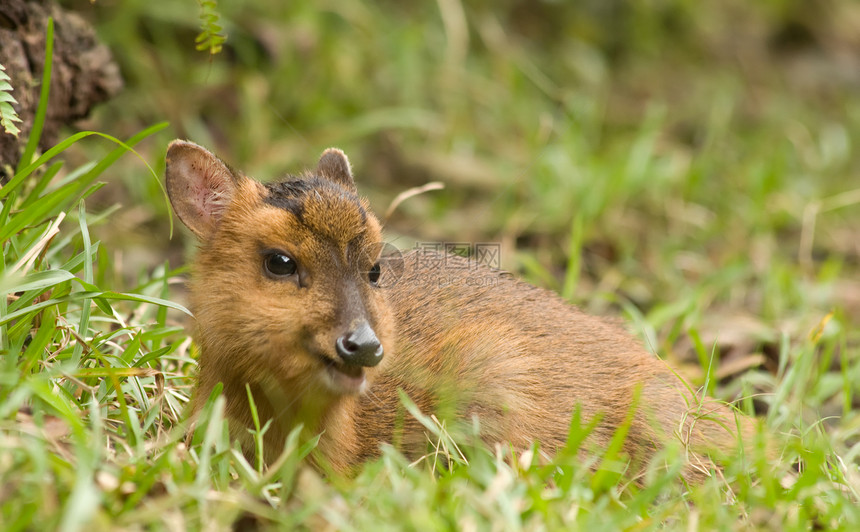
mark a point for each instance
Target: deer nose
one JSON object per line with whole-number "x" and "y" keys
{"x": 359, "y": 347}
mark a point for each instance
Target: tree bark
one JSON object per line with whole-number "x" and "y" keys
{"x": 83, "y": 72}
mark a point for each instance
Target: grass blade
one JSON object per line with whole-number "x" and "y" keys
{"x": 44, "y": 96}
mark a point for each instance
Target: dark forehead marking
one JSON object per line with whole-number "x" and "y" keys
{"x": 288, "y": 195}
{"x": 292, "y": 193}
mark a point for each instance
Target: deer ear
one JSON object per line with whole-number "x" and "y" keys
{"x": 199, "y": 185}
{"x": 334, "y": 166}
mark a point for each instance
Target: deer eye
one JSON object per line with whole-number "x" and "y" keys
{"x": 278, "y": 264}
{"x": 373, "y": 274}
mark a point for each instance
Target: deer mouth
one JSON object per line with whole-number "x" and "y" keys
{"x": 344, "y": 379}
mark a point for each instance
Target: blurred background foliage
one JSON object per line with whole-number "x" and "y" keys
{"x": 690, "y": 164}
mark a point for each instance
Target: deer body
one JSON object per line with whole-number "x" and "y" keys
{"x": 292, "y": 300}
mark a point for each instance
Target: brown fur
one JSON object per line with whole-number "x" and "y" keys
{"x": 459, "y": 341}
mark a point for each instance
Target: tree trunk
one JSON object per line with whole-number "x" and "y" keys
{"x": 83, "y": 72}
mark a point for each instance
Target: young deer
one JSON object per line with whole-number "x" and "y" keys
{"x": 293, "y": 300}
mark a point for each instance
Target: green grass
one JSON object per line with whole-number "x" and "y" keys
{"x": 663, "y": 165}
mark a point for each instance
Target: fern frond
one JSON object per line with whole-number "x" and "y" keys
{"x": 210, "y": 37}
{"x": 8, "y": 116}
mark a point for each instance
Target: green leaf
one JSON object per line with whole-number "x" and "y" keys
{"x": 109, "y": 159}
{"x": 88, "y": 278}
{"x": 83, "y": 296}
{"x": 12, "y": 283}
